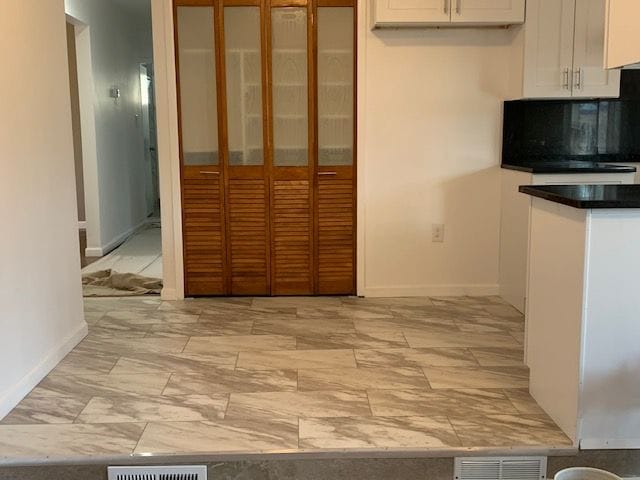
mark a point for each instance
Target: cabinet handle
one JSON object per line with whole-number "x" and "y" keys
{"x": 208, "y": 172}
{"x": 327, "y": 173}
{"x": 565, "y": 77}
{"x": 458, "y": 7}
{"x": 579, "y": 79}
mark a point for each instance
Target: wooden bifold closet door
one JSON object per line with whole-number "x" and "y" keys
{"x": 266, "y": 92}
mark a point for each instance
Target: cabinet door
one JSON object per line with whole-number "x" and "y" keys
{"x": 389, "y": 13}
{"x": 590, "y": 79}
{"x": 292, "y": 157}
{"x": 202, "y": 186}
{"x": 335, "y": 187}
{"x": 247, "y": 187}
{"x": 548, "y": 50}
{"x": 487, "y": 12}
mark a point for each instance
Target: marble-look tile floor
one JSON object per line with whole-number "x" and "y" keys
{"x": 209, "y": 376}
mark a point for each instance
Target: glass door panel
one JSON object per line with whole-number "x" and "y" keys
{"x": 197, "y": 76}
{"x": 335, "y": 86}
{"x": 243, "y": 63}
{"x": 290, "y": 86}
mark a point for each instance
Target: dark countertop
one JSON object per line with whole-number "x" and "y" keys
{"x": 567, "y": 166}
{"x": 587, "y": 196}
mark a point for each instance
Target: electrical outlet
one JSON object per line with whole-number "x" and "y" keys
{"x": 437, "y": 233}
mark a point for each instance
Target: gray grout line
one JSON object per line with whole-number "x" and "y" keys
{"x": 140, "y": 437}
{"x": 455, "y": 432}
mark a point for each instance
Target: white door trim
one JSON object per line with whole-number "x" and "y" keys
{"x": 168, "y": 149}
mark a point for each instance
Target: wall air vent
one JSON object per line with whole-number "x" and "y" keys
{"x": 181, "y": 472}
{"x": 500, "y": 468}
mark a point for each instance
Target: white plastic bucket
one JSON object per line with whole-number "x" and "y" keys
{"x": 585, "y": 473}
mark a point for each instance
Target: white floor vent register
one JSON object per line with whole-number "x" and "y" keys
{"x": 182, "y": 472}
{"x": 500, "y": 468}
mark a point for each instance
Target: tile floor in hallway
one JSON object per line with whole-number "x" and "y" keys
{"x": 281, "y": 374}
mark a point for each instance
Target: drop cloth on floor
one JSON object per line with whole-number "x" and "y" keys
{"x": 134, "y": 268}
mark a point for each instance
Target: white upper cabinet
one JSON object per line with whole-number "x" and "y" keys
{"x": 621, "y": 45}
{"x": 487, "y": 12}
{"x": 548, "y": 48}
{"x": 394, "y": 13}
{"x": 590, "y": 77}
{"x": 443, "y": 13}
{"x": 564, "y": 50}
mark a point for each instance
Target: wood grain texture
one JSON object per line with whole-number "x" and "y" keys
{"x": 248, "y": 236}
{"x": 335, "y": 257}
{"x": 279, "y": 230}
{"x": 291, "y": 236}
{"x": 203, "y": 232}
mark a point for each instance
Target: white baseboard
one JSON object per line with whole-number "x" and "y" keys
{"x": 10, "y": 399}
{"x": 82, "y": 224}
{"x": 609, "y": 444}
{"x": 169, "y": 294}
{"x": 93, "y": 252}
{"x": 114, "y": 242}
{"x": 432, "y": 291}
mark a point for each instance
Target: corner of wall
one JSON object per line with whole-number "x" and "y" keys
{"x": 10, "y": 399}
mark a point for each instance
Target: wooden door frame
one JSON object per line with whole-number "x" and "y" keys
{"x": 267, "y": 92}
{"x": 229, "y": 169}
{"x": 221, "y": 120}
{"x": 274, "y": 171}
{"x": 354, "y": 166}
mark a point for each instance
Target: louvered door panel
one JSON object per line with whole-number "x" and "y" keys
{"x": 335, "y": 234}
{"x": 291, "y": 232}
{"x": 203, "y": 232}
{"x": 248, "y": 236}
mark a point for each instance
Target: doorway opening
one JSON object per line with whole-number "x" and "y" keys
{"x": 110, "y": 51}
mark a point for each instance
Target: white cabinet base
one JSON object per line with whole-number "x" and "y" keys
{"x": 514, "y": 224}
{"x": 582, "y": 322}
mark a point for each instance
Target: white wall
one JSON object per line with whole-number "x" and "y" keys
{"x": 429, "y": 137}
{"x": 41, "y": 316}
{"x": 120, "y": 40}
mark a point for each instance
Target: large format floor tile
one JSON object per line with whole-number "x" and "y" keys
{"x": 173, "y": 363}
{"x": 34, "y": 409}
{"x": 297, "y": 359}
{"x": 96, "y": 385}
{"x": 361, "y": 379}
{"x": 477, "y": 377}
{"x": 425, "y": 338}
{"x": 240, "y": 343}
{"x": 229, "y": 379}
{"x": 370, "y": 339}
{"x": 215, "y": 375}
{"x": 381, "y": 432}
{"x": 154, "y": 409}
{"x": 39, "y": 441}
{"x": 229, "y": 435}
{"x": 506, "y": 430}
{"x": 416, "y": 357}
{"x": 307, "y": 404}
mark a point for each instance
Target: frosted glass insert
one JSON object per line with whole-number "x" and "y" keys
{"x": 244, "y": 85}
{"x": 197, "y": 72}
{"x": 289, "y": 70}
{"x": 335, "y": 85}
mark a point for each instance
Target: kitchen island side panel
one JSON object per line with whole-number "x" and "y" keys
{"x": 554, "y": 309}
{"x": 610, "y": 409}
